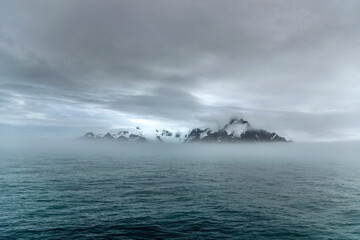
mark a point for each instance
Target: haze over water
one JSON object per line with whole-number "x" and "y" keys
{"x": 121, "y": 71}
{"x": 164, "y": 191}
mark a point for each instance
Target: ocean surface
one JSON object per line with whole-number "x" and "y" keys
{"x": 92, "y": 191}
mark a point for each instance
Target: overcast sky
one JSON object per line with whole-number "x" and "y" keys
{"x": 287, "y": 66}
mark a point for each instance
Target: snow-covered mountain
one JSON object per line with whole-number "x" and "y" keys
{"x": 237, "y": 130}
{"x": 123, "y": 135}
{"x": 236, "y": 127}
{"x": 169, "y": 136}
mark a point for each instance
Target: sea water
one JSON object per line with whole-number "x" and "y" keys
{"x": 186, "y": 191}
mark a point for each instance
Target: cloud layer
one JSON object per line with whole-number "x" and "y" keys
{"x": 289, "y": 66}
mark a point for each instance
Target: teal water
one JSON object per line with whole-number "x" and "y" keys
{"x": 181, "y": 192}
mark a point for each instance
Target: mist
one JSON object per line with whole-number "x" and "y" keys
{"x": 185, "y": 152}
{"x": 179, "y": 119}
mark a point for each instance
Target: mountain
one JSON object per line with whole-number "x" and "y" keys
{"x": 168, "y": 136}
{"x": 236, "y": 131}
{"x": 89, "y": 135}
{"x": 123, "y": 136}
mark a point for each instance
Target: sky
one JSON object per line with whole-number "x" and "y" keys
{"x": 292, "y": 67}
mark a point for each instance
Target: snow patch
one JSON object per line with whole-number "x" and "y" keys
{"x": 205, "y": 133}
{"x": 236, "y": 129}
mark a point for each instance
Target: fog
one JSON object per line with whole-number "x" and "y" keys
{"x": 248, "y": 152}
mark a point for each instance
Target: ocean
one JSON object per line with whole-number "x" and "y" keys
{"x": 184, "y": 191}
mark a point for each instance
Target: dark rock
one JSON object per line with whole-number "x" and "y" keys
{"x": 108, "y": 136}
{"x": 166, "y": 133}
{"x": 89, "y": 135}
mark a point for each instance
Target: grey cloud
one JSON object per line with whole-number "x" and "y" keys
{"x": 285, "y": 65}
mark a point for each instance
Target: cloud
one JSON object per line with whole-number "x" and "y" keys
{"x": 289, "y": 66}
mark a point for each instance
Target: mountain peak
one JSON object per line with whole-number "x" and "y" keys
{"x": 236, "y": 130}
{"x": 108, "y": 136}
{"x": 89, "y": 135}
{"x": 236, "y": 127}
{"x": 238, "y": 121}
